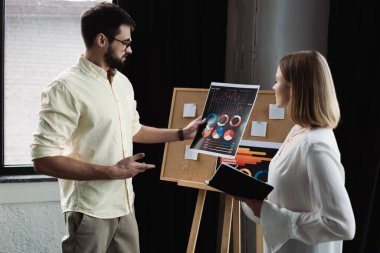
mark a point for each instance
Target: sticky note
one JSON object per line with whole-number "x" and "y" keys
{"x": 189, "y": 110}
{"x": 190, "y": 154}
{"x": 259, "y": 128}
{"x": 276, "y": 112}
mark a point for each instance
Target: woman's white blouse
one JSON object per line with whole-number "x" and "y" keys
{"x": 309, "y": 209}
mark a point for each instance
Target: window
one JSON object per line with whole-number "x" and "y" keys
{"x": 40, "y": 38}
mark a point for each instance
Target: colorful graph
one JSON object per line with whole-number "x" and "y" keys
{"x": 227, "y": 110}
{"x": 253, "y": 158}
{"x": 211, "y": 118}
{"x": 235, "y": 121}
{"x": 207, "y": 131}
{"x": 229, "y": 135}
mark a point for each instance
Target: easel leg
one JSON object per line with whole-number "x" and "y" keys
{"x": 227, "y": 224}
{"x": 259, "y": 239}
{"x": 236, "y": 226}
{"x": 196, "y": 221}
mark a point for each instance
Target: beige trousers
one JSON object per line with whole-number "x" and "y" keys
{"x": 87, "y": 234}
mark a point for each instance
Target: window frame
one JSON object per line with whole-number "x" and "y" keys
{"x": 10, "y": 170}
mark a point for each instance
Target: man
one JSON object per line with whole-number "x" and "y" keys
{"x": 88, "y": 121}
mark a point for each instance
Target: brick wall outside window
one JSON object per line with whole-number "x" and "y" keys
{"x": 42, "y": 38}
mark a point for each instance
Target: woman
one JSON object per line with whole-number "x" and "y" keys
{"x": 309, "y": 209}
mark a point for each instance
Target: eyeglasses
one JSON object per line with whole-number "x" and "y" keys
{"x": 126, "y": 44}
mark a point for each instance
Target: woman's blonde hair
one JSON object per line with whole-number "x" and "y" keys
{"x": 313, "y": 101}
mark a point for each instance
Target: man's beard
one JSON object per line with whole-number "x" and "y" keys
{"x": 112, "y": 61}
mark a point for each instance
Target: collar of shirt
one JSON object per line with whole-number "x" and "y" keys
{"x": 110, "y": 74}
{"x": 94, "y": 69}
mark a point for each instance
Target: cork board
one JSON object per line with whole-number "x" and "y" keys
{"x": 193, "y": 173}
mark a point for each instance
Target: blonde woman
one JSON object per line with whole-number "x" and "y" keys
{"x": 309, "y": 209}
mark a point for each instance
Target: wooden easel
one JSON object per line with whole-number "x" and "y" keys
{"x": 192, "y": 174}
{"x": 231, "y": 214}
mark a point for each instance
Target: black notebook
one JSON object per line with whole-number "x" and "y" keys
{"x": 236, "y": 183}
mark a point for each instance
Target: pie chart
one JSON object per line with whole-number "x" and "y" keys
{"x": 261, "y": 175}
{"x": 207, "y": 131}
{"x": 217, "y": 133}
{"x": 211, "y": 118}
{"x": 235, "y": 121}
{"x": 228, "y": 135}
{"x": 246, "y": 171}
{"x": 223, "y": 119}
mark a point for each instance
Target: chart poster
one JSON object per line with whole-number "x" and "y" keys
{"x": 227, "y": 110}
{"x": 253, "y": 158}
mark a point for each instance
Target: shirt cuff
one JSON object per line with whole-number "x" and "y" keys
{"x": 38, "y": 151}
{"x": 276, "y": 224}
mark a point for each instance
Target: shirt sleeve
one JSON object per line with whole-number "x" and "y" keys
{"x": 332, "y": 218}
{"x": 249, "y": 213}
{"x": 58, "y": 118}
{"x": 136, "y": 126}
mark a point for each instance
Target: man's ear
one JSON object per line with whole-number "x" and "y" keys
{"x": 101, "y": 40}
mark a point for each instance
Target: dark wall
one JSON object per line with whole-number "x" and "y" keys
{"x": 182, "y": 44}
{"x": 175, "y": 44}
{"x": 354, "y": 57}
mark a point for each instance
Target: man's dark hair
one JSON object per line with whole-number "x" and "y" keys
{"x": 103, "y": 18}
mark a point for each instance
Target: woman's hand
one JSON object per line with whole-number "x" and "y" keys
{"x": 254, "y": 204}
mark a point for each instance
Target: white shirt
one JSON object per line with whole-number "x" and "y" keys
{"x": 85, "y": 118}
{"x": 309, "y": 209}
